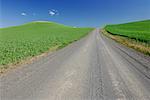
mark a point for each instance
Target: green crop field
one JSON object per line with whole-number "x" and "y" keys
{"x": 28, "y": 40}
{"x": 135, "y": 30}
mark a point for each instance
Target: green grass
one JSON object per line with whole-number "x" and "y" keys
{"x": 139, "y": 31}
{"x": 31, "y": 39}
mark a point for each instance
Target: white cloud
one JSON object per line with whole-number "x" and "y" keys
{"x": 53, "y": 12}
{"x": 23, "y": 14}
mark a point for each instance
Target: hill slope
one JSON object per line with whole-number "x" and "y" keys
{"x": 20, "y": 42}
{"x": 135, "y": 30}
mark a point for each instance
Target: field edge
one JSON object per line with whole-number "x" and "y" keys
{"x": 6, "y": 68}
{"x": 28, "y": 60}
{"x": 131, "y": 43}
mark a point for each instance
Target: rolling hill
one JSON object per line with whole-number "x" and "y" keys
{"x": 20, "y": 42}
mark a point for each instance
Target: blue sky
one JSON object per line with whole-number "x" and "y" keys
{"x": 79, "y": 13}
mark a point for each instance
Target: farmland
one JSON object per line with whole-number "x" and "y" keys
{"x": 139, "y": 31}
{"x": 20, "y": 42}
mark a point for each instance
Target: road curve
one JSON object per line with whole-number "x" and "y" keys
{"x": 93, "y": 68}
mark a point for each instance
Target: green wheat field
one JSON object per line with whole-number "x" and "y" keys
{"x": 31, "y": 39}
{"x": 139, "y": 31}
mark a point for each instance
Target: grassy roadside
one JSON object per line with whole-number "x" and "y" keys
{"x": 137, "y": 45}
{"x": 20, "y": 43}
{"x": 139, "y": 31}
{"x": 27, "y": 60}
